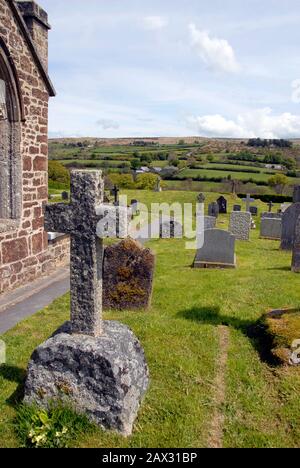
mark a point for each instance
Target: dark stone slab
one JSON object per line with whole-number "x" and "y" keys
{"x": 237, "y": 208}
{"x": 65, "y": 196}
{"x": 104, "y": 378}
{"x": 289, "y": 220}
{"x": 222, "y": 202}
{"x": 253, "y": 210}
{"x": 218, "y": 250}
{"x": 296, "y": 249}
{"x": 271, "y": 228}
{"x": 128, "y": 272}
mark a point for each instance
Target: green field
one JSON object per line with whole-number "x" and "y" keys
{"x": 181, "y": 335}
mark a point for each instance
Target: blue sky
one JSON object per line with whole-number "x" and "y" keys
{"x": 174, "y": 68}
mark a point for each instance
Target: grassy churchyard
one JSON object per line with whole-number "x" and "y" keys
{"x": 210, "y": 382}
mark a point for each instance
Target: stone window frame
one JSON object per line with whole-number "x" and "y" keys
{"x": 16, "y": 116}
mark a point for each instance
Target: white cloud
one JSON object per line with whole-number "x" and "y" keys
{"x": 108, "y": 124}
{"x": 257, "y": 123}
{"x": 216, "y": 53}
{"x": 296, "y": 91}
{"x": 152, "y": 23}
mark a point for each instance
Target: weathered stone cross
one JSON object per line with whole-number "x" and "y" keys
{"x": 248, "y": 200}
{"x": 79, "y": 219}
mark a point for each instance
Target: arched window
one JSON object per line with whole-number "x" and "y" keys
{"x": 10, "y": 130}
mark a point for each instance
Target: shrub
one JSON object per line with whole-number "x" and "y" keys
{"x": 124, "y": 181}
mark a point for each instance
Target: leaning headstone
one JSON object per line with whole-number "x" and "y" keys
{"x": 254, "y": 210}
{"x": 270, "y": 228}
{"x": 213, "y": 209}
{"x": 296, "y": 195}
{"x": 240, "y": 225}
{"x": 296, "y": 249}
{"x": 218, "y": 250}
{"x": 237, "y": 208}
{"x": 222, "y": 202}
{"x": 65, "y": 196}
{"x": 128, "y": 270}
{"x": 97, "y": 367}
{"x": 289, "y": 220}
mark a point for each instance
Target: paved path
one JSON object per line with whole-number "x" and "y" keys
{"x": 27, "y": 300}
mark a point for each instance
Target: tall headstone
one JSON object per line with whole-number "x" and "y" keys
{"x": 270, "y": 205}
{"x": 218, "y": 250}
{"x": 65, "y": 196}
{"x": 96, "y": 366}
{"x": 296, "y": 249}
{"x": 128, "y": 271}
{"x": 289, "y": 220}
{"x": 222, "y": 202}
{"x": 157, "y": 187}
{"x": 115, "y": 192}
{"x": 213, "y": 209}
{"x": 240, "y": 225}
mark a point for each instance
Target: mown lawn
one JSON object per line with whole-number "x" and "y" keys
{"x": 180, "y": 337}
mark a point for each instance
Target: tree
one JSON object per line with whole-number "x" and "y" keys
{"x": 58, "y": 173}
{"x": 146, "y": 181}
{"x": 135, "y": 164}
{"x": 210, "y": 158}
{"x": 278, "y": 182}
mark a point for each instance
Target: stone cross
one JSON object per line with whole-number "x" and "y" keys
{"x": 115, "y": 191}
{"x": 79, "y": 219}
{"x": 270, "y": 204}
{"x": 248, "y": 200}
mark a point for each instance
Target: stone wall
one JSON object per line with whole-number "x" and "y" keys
{"x": 23, "y": 242}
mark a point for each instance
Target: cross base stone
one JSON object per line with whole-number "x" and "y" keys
{"x": 104, "y": 378}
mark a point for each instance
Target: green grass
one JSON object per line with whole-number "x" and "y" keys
{"x": 179, "y": 335}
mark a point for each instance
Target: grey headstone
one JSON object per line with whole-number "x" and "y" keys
{"x": 270, "y": 228}
{"x": 213, "y": 209}
{"x": 104, "y": 378}
{"x": 296, "y": 249}
{"x": 271, "y": 215}
{"x": 218, "y": 250}
{"x": 296, "y": 195}
{"x": 240, "y": 225}
{"x": 222, "y": 202}
{"x": 289, "y": 220}
{"x": 170, "y": 229}
{"x": 237, "y": 208}
{"x": 128, "y": 271}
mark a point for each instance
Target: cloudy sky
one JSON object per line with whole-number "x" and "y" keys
{"x": 223, "y": 68}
